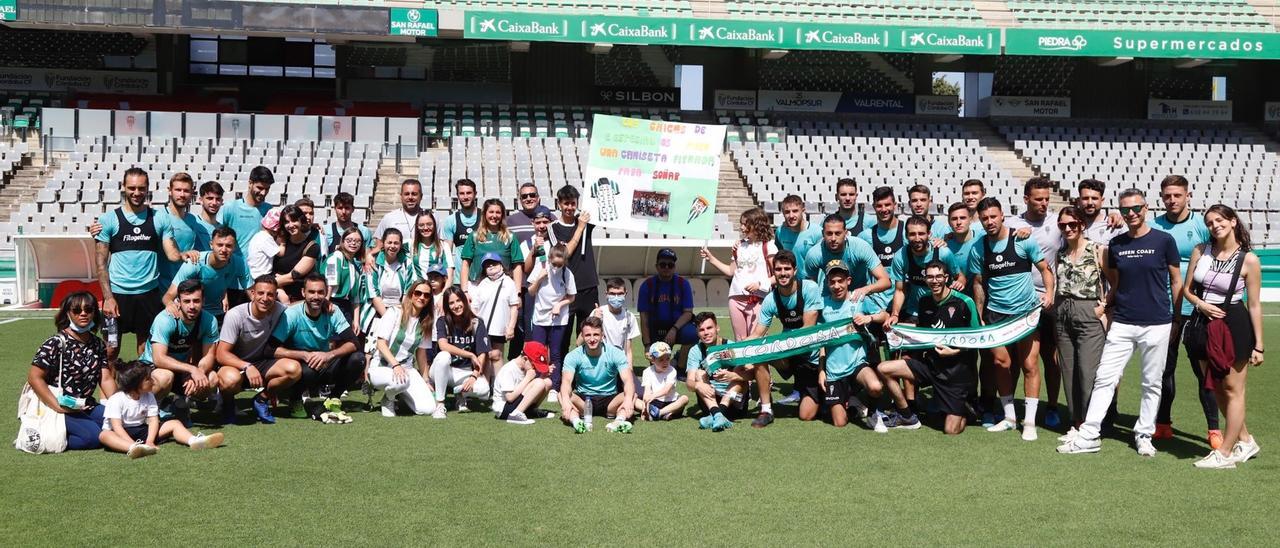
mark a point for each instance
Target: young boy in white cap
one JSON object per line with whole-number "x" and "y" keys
{"x": 522, "y": 384}
{"x": 658, "y": 398}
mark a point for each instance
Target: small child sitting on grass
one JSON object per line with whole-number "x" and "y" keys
{"x": 131, "y": 419}
{"x": 658, "y": 398}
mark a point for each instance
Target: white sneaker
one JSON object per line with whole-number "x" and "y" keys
{"x": 1244, "y": 451}
{"x": 388, "y": 407}
{"x": 553, "y": 397}
{"x": 439, "y": 413}
{"x": 1215, "y": 461}
{"x": 200, "y": 441}
{"x": 1080, "y": 445}
{"x": 877, "y": 423}
{"x": 791, "y": 398}
{"x": 139, "y": 450}
{"x": 1003, "y": 426}
{"x": 516, "y": 417}
{"x": 1142, "y": 442}
{"x": 1029, "y": 432}
{"x": 1070, "y": 435}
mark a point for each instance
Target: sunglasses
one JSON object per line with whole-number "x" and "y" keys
{"x": 83, "y": 309}
{"x": 1132, "y": 210}
{"x": 666, "y": 265}
{"x": 421, "y": 293}
{"x": 530, "y": 195}
{"x": 1075, "y": 225}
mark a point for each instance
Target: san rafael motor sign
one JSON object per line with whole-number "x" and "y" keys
{"x": 1107, "y": 43}
{"x": 8, "y": 10}
{"x": 413, "y": 22}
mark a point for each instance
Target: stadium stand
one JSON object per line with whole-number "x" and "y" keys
{"x": 1033, "y": 76}
{"x": 626, "y": 66}
{"x": 830, "y": 71}
{"x": 66, "y": 49}
{"x": 469, "y": 120}
{"x": 470, "y": 63}
{"x": 1225, "y": 163}
{"x": 1205, "y": 15}
{"x": 1177, "y": 85}
{"x": 910, "y": 12}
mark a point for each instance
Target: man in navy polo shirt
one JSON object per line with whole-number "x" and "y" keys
{"x": 665, "y": 303}
{"x": 1143, "y": 268}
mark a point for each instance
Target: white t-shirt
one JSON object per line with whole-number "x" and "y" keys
{"x": 131, "y": 412}
{"x": 262, "y": 249}
{"x": 751, "y": 268}
{"x": 558, "y": 283}
{"x": 491, "y": 300}
{"x": 507, "y": 379}
{"x": 619, "y": 328}
{"x": 652, "y": 380}
{"x": 1047, "y": 234}
{"x": 402, "y": 342}
{"x": 399, "y": 220}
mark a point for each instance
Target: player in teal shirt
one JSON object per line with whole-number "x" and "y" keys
{"x": 592, "y": 374}
{"x": 908, "y": 269}
{"x": 920, "y": 201}
{"x": 796, "y": 303}
{"x": 869, "y": 276}
{"x": 220, "y": 271}
{"x": 960, "y": 241}
{"x": 723, "y": 393}
{"x": 181, "y": 347}
{"x": 460, "y": 224}
{"x": 319, "y": 337}
{"x": 831, "y": 389}
{"x": 855, "y": 222}
{"x": 245, "y": 215}
{"x": 185, "y": 228}
{"x": 796, "y": 234}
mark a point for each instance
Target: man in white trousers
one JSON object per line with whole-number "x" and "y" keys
{"x": 1143, "y": 270}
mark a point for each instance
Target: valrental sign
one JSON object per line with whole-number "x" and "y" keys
{"x": 728, "y": 33}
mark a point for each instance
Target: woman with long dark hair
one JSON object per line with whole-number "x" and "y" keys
{"x": 429, "y": 251}
{"x": 1222, "y": 276}
{"x": 463, "y": 343}
{"x": 1080, "y": 328}
{"x": 298, "y": 253}
{"x": 401, "y": 341}
{"x": 492, "y": 236}
{"x": 70, "y": 366}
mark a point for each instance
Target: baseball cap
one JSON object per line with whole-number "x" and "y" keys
{"x": 835, "y": 265}
{"x": 539, "y": 355}
{"x": 667, "y": 253}
{"x": 271, "y": 221}
{"x": 545, "y": 214}
{"x": 490, "y": 257}
{"x": 659, "y": 349}
{"x": 437, "y": 270}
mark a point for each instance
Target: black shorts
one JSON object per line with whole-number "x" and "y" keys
{"x": 953, "y": 382}
{"x": 137, "y": 312}
{"x": 496, "y": 342}
{"x": 990, "y": 317}
{"x": 263, "y": 366}
{"x": 599, "y": 404}
{"x": 509, "y": 407}
{"x": 807, "y": 383}
{"x": 736, "y": 409}
{"x": 139, "y": 432}
{"x": 838, "y": 392}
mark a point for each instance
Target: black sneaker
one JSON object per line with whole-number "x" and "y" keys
{"x": 762, "y": 420}
{"x": 536, "y": 414}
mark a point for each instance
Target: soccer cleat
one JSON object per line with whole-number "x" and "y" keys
{"x": 1244, "y": 451}
{"x": 516, "y": 417}
{"x": 262, "y": 408}
{"x": 1051, "y": 418}
{"x": 762, "y": 420}
{"x": 877, "y": 422}
{"x": 1029, "y": 432}
{"x": 229, "y": 412}
{"x": 1070, "y": 435}
{"x": 720, "y": 423}
{"x": 439, "y": 413}
{"x": 1080, "y": 445}
{"x": 706, "y": 422}
{"x": 1215, "y": 461}
{"x": 793, "y": 397}
{"x": 1215, "y": 439}
{"x": 298, "y": 409}
{"x": 1004, "y": 425}
{"x": 619, "y": 426}
{"x": 579, "y": 426}
{"x": 201, "y": 441}
{"x": 988, "y": 419}
{"x": 907, "y": 423}
{"x": 1142, "y": 443}
{"x": 1163, "y": 432}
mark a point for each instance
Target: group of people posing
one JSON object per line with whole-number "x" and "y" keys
{"x": 483, "y": 307}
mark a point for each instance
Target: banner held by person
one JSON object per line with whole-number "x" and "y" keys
{"x": 1012, "y": 330}
{"x": 653, "y": 176}
{"x": 781, "y": 345}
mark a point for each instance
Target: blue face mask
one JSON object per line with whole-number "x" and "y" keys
{"x": 84, "y": 329}
{"x": 616, "y": 301}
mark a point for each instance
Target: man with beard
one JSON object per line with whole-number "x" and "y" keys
{"x": 181, "y": 347}
{"x": 908, "y": 271}
{"x": 459, "y": 224}
{"x": 847, "y": 199}
{"x": 1098, "y": 226}
{"x": 1035, "y": 223}
{"x": 245, "y": 215}
{"x": 319, "y": 337}
{"x": 220, "y": 272}
{"x": 796, "y": 234}
{"x": 920, "y": 200}
{"x": 210, "y": 205}
{"x": 796, "y": 303}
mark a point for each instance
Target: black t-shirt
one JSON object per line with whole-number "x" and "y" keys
{"x": 956, "y": 311}
{"x": 583, "y": 261}
{"x": 464, "y": 339}
{"x": 285, "y": 262}
{"x": 81, "y": 363}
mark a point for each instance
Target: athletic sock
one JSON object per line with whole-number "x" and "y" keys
{"x": 766, "y": 408}
{"x": 715, "y": 410}
{"x": 906, "y": 412}
{"x": 1007, "y": 403}
{"x": 911, "y": 404}
{"x": 1032, "y": 404}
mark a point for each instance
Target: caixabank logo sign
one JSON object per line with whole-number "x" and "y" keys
{"x": 516, "y": 26}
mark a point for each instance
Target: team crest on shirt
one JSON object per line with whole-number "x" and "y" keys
{"x": 1000, "y": 258}
{"x": 888, "y": 249}
{"x": 137, "y": 230}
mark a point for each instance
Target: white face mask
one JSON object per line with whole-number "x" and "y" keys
{"x": 493, "y": 271}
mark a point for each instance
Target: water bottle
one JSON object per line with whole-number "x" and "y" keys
{"x": 586, "y": 412}
{"x": 112, "y": 330}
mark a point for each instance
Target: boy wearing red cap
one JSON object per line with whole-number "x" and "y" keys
{"x": 521, "y": 385}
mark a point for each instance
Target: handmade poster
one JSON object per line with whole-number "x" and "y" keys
{"x": 652, "y": 176}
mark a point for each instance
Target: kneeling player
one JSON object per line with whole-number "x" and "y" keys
{"x": 830, "y": 389}
{"x": 949, "y": 370}
{"x": 721, "y": 394}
